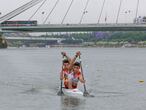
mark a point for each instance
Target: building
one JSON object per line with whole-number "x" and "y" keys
{"x": 140, "y": 20}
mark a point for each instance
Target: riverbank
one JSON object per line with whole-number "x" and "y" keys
{"x": 106, "y": 44}
{"x": 3, "y": 42}
{"x": 85, "y": 46}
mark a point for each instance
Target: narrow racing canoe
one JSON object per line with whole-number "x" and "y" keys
{"x": 72, "y": 92}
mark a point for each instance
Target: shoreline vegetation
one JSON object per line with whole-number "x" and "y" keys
{"x": 3, "y": 42}
{"x": 102, "y": 39}
{"x": 118, "y": 39}
{"x": 106, "y": 45}
{"x": 100, "y": 45}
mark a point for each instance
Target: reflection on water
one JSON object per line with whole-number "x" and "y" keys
{"x": 72, "y": 103}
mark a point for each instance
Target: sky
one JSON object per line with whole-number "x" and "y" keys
{"x": 109, "y": 14}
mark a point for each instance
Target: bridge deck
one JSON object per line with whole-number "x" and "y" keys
{"x": 77, "y": 27}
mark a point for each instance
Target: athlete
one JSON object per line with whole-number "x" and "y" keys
{"x": 75, "y": 76}
{"x": 70, "y": 73}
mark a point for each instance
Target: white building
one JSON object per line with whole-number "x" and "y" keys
{"x": 140, "y": 20}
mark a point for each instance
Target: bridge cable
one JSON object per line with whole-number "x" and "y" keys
{"x": 84, "y": 11}
{"x": 37, "y": 10}
{"x": 19, "y": 10}
{"x": 137, "y": 7}
{"x": 119, "y": 11}
{"x": 101, "y": 11}
{"x": 51, "y": 11}
{"x": 67, "y": 11}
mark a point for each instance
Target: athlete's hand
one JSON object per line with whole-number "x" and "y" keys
{"x": 61, "y": 77}
{"x": 78, "y": 53}
{"x": 63, "y": 53}
{"x": 83, "y": 81}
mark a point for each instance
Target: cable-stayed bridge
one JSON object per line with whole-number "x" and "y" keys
{"x": 44, "y": 26}
{"x": 76, "y": 27}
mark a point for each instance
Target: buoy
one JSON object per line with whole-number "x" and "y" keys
{"x": 141, "y": 81}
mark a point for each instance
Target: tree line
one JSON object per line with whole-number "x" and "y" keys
{"x": 119, "y": 36}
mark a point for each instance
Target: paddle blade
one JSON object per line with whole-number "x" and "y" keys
{"x": 85, "y": 94}
{"x": 60, "y": 93}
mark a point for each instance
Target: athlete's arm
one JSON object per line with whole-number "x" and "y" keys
{"x": 74, "y": 59}
{"x": 67, "y": 57}
{"x": 81, "y": 79}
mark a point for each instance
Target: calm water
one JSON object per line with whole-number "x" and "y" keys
{"x": 29, "y": 79}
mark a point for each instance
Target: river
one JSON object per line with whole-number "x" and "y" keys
{"x": 29, "y": 79}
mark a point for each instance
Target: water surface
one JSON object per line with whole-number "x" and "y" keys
{"x": 29, "y": 79}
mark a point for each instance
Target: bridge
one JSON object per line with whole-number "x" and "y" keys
{"x": 70, "y": 27}
{"x": 76, "y": 28}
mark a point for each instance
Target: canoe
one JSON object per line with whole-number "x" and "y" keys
{"x": 72, "y": 92}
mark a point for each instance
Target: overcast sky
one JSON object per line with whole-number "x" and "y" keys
{"x": 127, "y": 13}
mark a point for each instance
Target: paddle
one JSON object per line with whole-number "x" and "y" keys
{"x": 85, "y": 90}
{"x": 60, "y": 93}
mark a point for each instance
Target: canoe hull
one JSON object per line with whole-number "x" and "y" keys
{"x": 72, "y": 92}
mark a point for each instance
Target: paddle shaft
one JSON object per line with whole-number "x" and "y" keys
{"x": 62, "y": 71}
{"x": 61, "y": 92}
{"x": 61, "y": 86}
{"x": 82, "y": 73}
